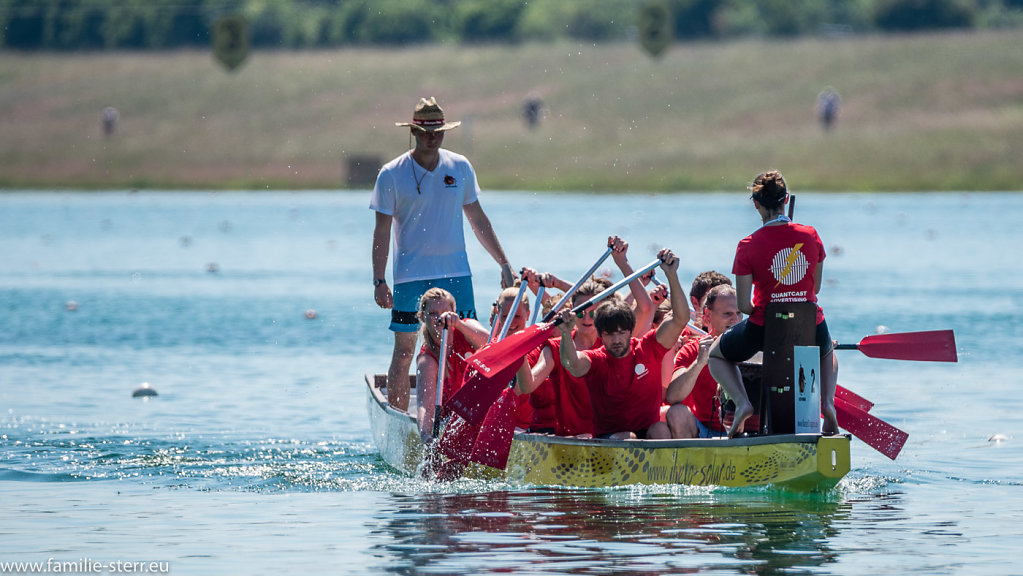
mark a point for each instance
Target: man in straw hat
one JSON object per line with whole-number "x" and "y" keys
{"x": 424, "y": 193}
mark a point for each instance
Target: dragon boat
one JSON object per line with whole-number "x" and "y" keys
{"x": 800, "y": 462}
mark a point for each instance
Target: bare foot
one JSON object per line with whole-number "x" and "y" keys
{"x": 739, "y": 419}
{"x": 830, "y": 420}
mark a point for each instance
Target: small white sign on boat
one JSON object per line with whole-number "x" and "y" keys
{"x": 806, "y": 363}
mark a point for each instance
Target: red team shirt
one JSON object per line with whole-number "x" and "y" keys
{"x": 454, "y": 368}
{"x": 573, "y": 411}
{"x": 626, "y": 392}
{"x": 701, "y": 400}
{"x": 782, "y": 260}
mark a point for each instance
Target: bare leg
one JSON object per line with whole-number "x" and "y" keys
{"x": 681, "y": 422}
{"x": 658, "y": 431}
{"x": 829, "y": 381}
{"x": 397, "y": 374}
{"x": 727, "y": 375}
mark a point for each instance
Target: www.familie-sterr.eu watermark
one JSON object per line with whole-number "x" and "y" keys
{"x": 85, "y": 566}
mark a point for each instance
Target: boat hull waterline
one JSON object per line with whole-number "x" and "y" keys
{"x": 802, "y": 462}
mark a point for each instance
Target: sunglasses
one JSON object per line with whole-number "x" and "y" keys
{"x": 590, "y": 313}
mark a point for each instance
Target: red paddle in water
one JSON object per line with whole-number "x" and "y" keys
{"x": 932, "y": 346}
{"x": 495, "y": 437}
{"x": 873, "y": 431}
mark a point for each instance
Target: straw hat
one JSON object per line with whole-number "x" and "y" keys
{"x": 428, "y": 117}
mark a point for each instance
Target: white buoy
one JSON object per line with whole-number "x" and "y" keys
{"x": 998, "y": 438}
{"x": 144, "y": 391}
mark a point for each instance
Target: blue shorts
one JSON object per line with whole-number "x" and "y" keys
{"x": 740, "y": 342}
{"x": 407, "y": 295}
{"x": 706, "y": 432}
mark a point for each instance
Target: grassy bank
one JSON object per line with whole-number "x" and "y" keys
{"x": 929, "y": 112}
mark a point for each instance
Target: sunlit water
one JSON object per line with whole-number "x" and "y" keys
{"x": 256, "y": 456}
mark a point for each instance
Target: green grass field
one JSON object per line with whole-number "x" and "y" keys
{"x": 926, "y": 112}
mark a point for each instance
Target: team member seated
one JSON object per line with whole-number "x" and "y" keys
{"x": 437, "y": 313}
{"x": 624, "y": 375}
{"x": 781, "y": 262}
{"x": 692, "y": 392}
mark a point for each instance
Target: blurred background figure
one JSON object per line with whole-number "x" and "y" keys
{"x": 109, "y": 118}
{"x": 828, "y": 102}
{"x": 532, "y": 110}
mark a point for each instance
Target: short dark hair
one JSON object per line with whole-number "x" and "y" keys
{"x": 705, "y": 281}
{"x": 715, "y": 292}
{"x": 614, "y": 315}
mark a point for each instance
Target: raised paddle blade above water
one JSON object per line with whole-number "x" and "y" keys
{"x": 479, "y": 391}
{"x": 930, "y": 346}
{"x": 873, "y": 431}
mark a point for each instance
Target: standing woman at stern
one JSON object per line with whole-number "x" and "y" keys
{"x": 781, "y": 262}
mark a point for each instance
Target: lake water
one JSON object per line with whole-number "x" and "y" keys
{"x": 256, "y": 456}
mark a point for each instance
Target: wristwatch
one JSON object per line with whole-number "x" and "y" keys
{"x": 379, "y": 281}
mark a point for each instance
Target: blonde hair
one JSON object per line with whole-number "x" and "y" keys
{"x": 428, "y": 297}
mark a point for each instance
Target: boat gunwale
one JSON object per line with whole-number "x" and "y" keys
{"x": 722, "y": 442}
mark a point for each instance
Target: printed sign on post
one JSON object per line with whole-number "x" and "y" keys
{"x": 806, "y": 362}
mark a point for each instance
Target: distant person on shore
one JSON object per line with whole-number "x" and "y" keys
{"x": 532, "y": 110}
{"x": 109, "y": 119}
{"x": 828, "y": 102}
{"x": 421, "y": 196}
{"x": 437, "y": 313}
{"x": 781, "y": 262}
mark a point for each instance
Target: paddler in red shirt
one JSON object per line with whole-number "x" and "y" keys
{"x": 694, "y": 412}
{"x": 573, "y": 410}
{"x": 624, "y": 375}
{"x": 781, "y": 262}
{"x": 437, "y": 312}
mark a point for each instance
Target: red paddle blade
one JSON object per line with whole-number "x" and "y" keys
{"x": 933, "y": 346}
{"x": 478, "y": 393}
{"x": 494, "y": 358}
{"x": 876, "y": 433}
{"x": 853, "y": 398}
{"x": 494, "y": 441}
{"x": 458, "y": 438}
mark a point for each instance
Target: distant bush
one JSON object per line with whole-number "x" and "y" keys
{"x": 910, "y": 15}
{"x": 290, "y": 24}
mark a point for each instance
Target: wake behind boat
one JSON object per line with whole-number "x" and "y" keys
{"x": 801, "y": 462}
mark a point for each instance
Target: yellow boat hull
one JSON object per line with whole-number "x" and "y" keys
{"x": 803, "y": 462}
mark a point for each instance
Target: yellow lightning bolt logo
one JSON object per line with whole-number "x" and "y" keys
{"x": 789, "y": 262}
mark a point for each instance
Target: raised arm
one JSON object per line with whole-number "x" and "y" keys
{"x": 669, "y": 330}
{"x": 577, "y": 363}
{"x": 644, "y": 309}
{"x": 484, "y": 231}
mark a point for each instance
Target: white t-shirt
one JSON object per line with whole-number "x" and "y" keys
{"x": 427, "y": 238}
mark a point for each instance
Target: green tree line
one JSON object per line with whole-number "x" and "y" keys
{"x": 296, "y": 24}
